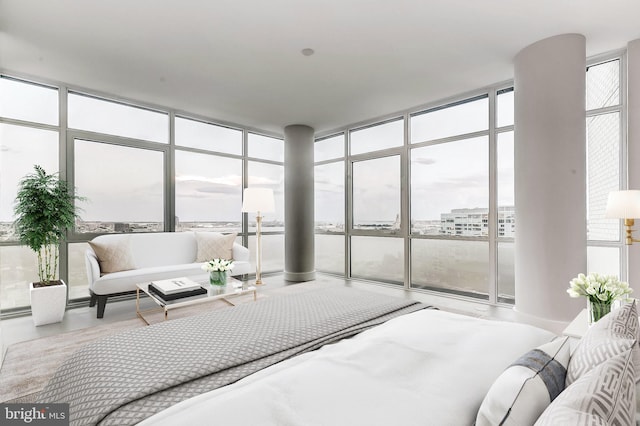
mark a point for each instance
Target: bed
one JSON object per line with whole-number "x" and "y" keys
{"x": 376, "y": 361}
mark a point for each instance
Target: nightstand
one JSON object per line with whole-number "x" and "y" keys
{"x": 579, "y": 326}
{"x": 577, "y": 329}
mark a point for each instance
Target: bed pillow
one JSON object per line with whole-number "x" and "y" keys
{"x": 113, "y": 255}
{"x": 603, "y": 396}
{"x": 615, "y": 333}
{"x": 525, "y": 389}
{"x": 213, "y": 245}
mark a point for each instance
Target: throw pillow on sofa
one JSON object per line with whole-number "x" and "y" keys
{"x": 114, "y": 256}
{"x": 213, "y": 245}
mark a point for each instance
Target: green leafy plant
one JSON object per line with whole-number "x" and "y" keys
{"x": 44, "y": 210}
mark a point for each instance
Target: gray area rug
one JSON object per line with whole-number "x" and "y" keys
{"x": 29, "y": 365}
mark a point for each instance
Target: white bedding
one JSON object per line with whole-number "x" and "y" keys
{"x": 428, "y": 367}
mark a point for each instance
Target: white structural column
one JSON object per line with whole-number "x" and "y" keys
{"x": 633, "y": 153}
{"x": 550, "y": 178}
{"x": 299, "y": 249}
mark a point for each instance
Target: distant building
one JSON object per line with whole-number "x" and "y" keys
{"x": 121, "y": 227}
{"x": 507, "y": 221}
{"x": 475, "y": 222}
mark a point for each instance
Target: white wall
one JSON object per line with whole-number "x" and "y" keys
{"x": 550, "y": 148}
{"x": 633, "y": 154}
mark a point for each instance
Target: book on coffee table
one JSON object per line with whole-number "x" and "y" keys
{"x": 175, "y": 285}
{"x": 179, "y": 295}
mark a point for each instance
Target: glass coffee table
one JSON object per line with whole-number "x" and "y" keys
{"x": 233, "y": 288}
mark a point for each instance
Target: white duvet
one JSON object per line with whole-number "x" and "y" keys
{"x": 426, "y": 368}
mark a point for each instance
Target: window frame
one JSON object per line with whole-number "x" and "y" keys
{"x": 344, "y": 160}
{"x": 404, "y": 152}
{"x": 620, "y": 108}
{"x": 75, "y": 237}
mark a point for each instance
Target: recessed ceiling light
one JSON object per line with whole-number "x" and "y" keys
{"x": 307, "y": 52}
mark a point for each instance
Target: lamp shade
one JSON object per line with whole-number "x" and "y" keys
{"x": 258, "y": 200}
{"x": 623, "y": 204}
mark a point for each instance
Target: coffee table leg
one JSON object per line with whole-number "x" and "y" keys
{"x": 138, "y": 312}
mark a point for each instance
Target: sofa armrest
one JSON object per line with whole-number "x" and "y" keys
{"x": 93, "y": 267}
{"x": 240, "y": 253}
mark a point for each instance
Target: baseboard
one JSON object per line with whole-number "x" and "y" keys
{"x": 299, "y": 276}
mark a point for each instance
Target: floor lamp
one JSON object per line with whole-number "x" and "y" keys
{"x": 259, "y": 200}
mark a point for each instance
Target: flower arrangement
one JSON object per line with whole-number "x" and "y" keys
{"x": 217, "y": 269}
{"x": 600, "y": 290}
{"x": 218, "y": 265}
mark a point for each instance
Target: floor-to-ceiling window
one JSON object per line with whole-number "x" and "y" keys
{"x": 423, "y": 208}
{"x": 141, "y": 169}
{"x": 329, "y": 184}
{"x": 375, "y": 222}
{"x": 505, "y": 196}
{"x": 115, "y": 157}
{"x": 265, "y": 168}
{"x": 605, "y": 165}
{"x": 450, "y": 197}
{"x": 29, "y": 134}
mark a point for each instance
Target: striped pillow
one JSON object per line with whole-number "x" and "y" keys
{"x": 604, "y": 396}
{"x": 525, "y": 389}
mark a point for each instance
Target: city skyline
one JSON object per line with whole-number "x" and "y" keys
{"x": 455, "y": 222}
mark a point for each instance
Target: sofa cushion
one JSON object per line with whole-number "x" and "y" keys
{"x": 113, "y": 255}
{"x": 123, "y": 281}
{"x": 213, "y": 245}
{"x": 119, "y": 282}
{"x": 163, "y": 248}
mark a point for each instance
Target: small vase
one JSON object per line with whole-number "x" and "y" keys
{"x": 218, "y": 278}
{"x": 597, "y": 310}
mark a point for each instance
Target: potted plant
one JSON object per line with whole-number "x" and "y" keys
{"x": 601, "y": 291}
{"x": 44, "y": 210}
{"x": 218, "y": 269}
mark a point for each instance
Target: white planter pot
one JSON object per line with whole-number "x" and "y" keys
{"x": 48, "y": 303}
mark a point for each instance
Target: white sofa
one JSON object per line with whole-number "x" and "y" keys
{"x": 154, "y": 256}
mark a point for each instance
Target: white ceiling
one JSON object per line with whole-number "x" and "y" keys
{"x": 241, "y": 62}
